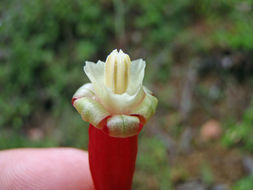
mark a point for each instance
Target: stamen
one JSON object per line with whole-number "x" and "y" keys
{"x": 117, "y": 67}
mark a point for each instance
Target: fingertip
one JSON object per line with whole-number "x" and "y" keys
{"x": 51, "y": 169}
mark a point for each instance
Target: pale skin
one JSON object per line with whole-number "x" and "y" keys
{"x": 46, "y": 168}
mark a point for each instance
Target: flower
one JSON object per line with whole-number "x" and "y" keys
{"x": 116, "y": 97}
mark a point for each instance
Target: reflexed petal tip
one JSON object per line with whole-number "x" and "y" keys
{"x": 84, "y": 91}
{"x": 123, "y": 126}
{"x": 91, "y": 111}
{"x": 147, "y": 107}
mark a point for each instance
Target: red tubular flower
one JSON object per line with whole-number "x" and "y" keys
{"x": 117, "y": 106}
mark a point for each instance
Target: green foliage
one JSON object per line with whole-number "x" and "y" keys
{"x": 161, "y": 20}
{"x": 240, "y": 134}
{"x": 244, "y": 184}
{"x": 46, "y": 43}
{"x": 207, "y": 174}
{"x": 152, "y": 162}
{"x": 11, "y": 140}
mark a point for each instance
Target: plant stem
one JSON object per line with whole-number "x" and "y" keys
{"x": 112, "y": 160}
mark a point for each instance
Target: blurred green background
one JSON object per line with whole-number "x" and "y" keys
{"x": 199, "y": 58}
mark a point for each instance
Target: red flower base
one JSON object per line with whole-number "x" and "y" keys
{"x": 112, "y": 160}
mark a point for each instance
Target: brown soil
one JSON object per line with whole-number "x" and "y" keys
{"x": 225, "y": 165}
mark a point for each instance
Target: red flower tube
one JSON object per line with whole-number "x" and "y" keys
{"x": 112, "y": 160}
{"x": 117, "y": 106}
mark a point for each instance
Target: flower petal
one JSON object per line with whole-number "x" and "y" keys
{"x": 121, "y": 103}
{"x": 115, "y": 103}
{"x": 95, "y": 72}
{"x": 136, "y": 76}
{"x": 90, "y": 110}
{"x": 147, "y": 107}
{"x": 123, "y": 125}
{"x": 84, "y": 91}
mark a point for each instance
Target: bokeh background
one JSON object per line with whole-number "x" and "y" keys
{"x": 199, "y": 58}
